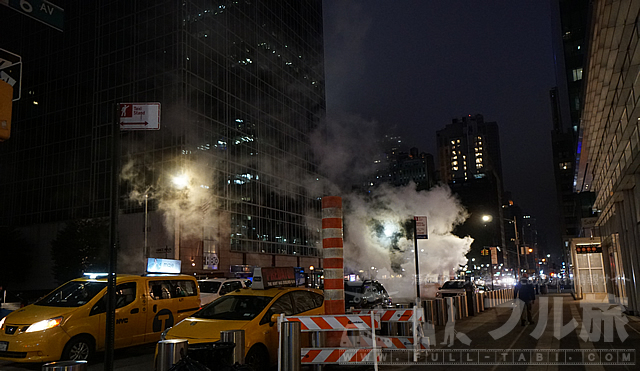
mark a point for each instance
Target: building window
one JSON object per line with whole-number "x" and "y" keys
{"x": 577, "y": 74}
{"x": 565, "y": 165}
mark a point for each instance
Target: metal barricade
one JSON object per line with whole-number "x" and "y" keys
{"x": 170, "y": 352}
{"x": 429, "y": 311}
{"x": 465, "y": 305}
{"x": 289, "y": 357}
{"x": 441, "y": 312}
{"x": 236, "y": 337}
{"x": 65, "y": 366}
{"x": 452, "y": 313}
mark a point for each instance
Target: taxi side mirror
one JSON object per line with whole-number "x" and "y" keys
{"x": 274, "y": 319}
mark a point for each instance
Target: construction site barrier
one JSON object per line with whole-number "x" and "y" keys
{"x": 360, "y": 343}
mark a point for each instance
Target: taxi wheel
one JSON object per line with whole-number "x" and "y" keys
{"x": 257, "y": 358}
{"x": 78, "y": 349}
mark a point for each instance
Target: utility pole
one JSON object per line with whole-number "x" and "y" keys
{"x": 517, "y": 243}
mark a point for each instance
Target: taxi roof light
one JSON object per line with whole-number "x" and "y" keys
{"x": 94, "y": 275}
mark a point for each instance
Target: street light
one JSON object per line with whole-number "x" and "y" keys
{"x": 488, "y": 218}
{"x": 181, "y": 181}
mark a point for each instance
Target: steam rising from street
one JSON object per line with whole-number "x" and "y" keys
{"x": 375, "y": 240}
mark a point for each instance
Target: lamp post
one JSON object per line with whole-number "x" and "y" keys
{"x": 517, "y": 244}
{"x": 146, "y": 226}
{"x": 489, "y": 218}
{"x": 180, "y": 182}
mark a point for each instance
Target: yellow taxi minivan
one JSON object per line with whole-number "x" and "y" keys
{"x": 251, "y": 310}
{"x": 69, "y": 323}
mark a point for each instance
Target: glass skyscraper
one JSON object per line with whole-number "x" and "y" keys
{"x": 241, "y": 88}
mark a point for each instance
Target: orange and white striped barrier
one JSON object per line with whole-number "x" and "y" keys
{"x": 393, "y": 315}
{"x": 337, "y": 355}
{"x": 332, "y": 262}
{"x": 350, "y": 322}
{"x": 391, "y": 342}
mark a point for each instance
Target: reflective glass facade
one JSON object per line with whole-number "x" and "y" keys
{"x": 241, "y": 85}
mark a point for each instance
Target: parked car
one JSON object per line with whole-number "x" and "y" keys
{"x": 213, "y": 288}
{"x": 456, "y": 287}
{"x": 365, "y": 294}
{"x": 69, "y": 322}
{"x": 484, "y": 288}
{"x": 251, "y": 310}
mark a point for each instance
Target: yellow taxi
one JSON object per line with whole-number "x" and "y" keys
{"x": 69, "y": 323}
{"x": 251, "y": 310}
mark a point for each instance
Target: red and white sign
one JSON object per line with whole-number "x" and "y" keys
{"x": 335, "y": 322}
{"x": 335, "y": 355}
{"x": 421, "y": 227}
{"x": 139, "y": 116}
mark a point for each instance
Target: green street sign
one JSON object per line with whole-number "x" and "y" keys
{"x": 40, "y": 10}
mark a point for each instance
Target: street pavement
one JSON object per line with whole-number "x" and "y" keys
{"x": 530, "y": 347}
{"x": 534, "y": 348}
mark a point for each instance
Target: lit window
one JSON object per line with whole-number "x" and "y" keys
{"x": 478, "y": 160}
{"x": 454, "y": 163}
{"x": 577, "y": 74}
{"x": 455, "y": 168}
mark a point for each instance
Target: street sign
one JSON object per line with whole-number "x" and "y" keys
{"x": 139, "y": 116}
{"x": 421, "y": 227}
{"x": 11, "y": 71}
{"x": 494, "y": 255}
{"x": 40, "y": 10}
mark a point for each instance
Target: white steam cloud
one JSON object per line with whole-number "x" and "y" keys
{"x": 377, "y": 243}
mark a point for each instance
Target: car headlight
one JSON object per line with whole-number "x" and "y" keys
{"x": 2, "y": 322}
{"x": 45, "y": 325}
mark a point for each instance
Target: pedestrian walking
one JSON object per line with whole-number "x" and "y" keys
{"x": 525, "y": 291}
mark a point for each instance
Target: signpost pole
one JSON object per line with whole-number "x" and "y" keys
{"x": 113, "y": 245}
{"x": 415, "y": 249}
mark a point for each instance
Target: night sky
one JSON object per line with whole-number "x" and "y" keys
{"x": 412, "y": 66}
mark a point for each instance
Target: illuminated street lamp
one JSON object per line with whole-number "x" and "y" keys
{"x": 181, "y": 181}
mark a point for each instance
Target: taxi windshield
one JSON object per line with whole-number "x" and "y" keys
{"x": 72, "y": 294}
{"x": 234, "y": 307}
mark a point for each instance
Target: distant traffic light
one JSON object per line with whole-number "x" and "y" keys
{"x": 6, "y": 97}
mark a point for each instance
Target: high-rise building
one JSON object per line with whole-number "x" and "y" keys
{"x": 570, "y": 46}
{"x": 400, "y": 168}
{"x": 470, "y": 163}
{"x": 609, "y": 151}
{"x": 241, "y": 88}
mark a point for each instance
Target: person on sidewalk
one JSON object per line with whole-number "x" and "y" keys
{"x": 525, "y": 291}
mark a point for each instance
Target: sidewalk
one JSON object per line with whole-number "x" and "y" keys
{"x": 540, "y": 336}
